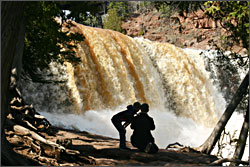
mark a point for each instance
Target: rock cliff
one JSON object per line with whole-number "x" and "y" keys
{"x": 193, "y": 30}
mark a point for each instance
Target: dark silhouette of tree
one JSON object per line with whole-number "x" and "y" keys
{"x": 45, "y": 40}
{"x": 241, "y": 143}
{"x": 209, "y": 144}
{"x": 12, "y": 34}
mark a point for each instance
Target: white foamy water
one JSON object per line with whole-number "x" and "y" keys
{"x": 169, "y": 127}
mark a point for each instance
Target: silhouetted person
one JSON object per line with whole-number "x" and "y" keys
{"x": 142, "y": 125}
{"x": 125, "y": 116}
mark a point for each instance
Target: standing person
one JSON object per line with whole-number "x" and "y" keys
{"x": 125, "y": 116}
{"x": 142, "y": 137}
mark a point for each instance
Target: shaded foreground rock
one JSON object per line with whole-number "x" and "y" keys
{"x": 26, "y": 129}
{"x": 83, "y": 148}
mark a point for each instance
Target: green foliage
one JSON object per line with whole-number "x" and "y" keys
{"x": 234, "y": 16}
{"x": 181, "y": 7}
{"x": 44, "y": 39}
{"x": 165, "y": 9}
{"x": 83, "y": 12}
{"x": 88, "y": 20}
{"x": 117, "y": 11}
{"x": 144, "y": 5}
{"x": 120, "y": 7}
{"x": 79, "y": 8}
{"x": 141, "y": 32}
{"x": 113, "y": 21}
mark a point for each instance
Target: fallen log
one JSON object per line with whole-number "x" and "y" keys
{"x": 36, "y": 148}
{"x": 26, "y": 116}
{"x": 241, "y": 143}
{"x": 39, "y": 116}
{"x": 30, "y": 125}
{"x": 20, "y": 108}
{"x": 22, "y": 131}
{"x": 16, "y": 140}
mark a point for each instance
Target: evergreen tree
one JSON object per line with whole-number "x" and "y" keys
{"x": 44, "y": 39}
{"x": 113, "y": 21}
{"x": 116, "y": 13}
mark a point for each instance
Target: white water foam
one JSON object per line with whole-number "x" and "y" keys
{"x": 169, "y": 128}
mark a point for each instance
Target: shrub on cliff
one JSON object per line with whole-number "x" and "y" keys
{"x": 113, "y": 21}
{"x": 116, "y": 13}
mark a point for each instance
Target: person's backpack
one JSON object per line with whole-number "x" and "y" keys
{"x": 151, "y": 148}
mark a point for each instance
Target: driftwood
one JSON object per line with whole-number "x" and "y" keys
{"x": 47, "y": 152}
{"x": 36, "y": 148}
{"x": 45, "y": 147}
{"x": 26, "y": 115}
{"x": 22, "y": 131}
{"x": 23, "y": 125}
{"x": 16, "y": 140}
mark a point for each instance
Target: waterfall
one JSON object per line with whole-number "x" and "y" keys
{"x": 117, "y": 70}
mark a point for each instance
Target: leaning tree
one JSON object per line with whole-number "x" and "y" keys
{"x": 209, "y": 144}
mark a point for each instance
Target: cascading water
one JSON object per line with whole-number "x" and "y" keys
{"x": 117, "y": 70}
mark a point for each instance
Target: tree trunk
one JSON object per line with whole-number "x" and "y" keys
{"x": 241, "y": 143}
{"x": 209, "y": 144}
{"x": 12, "y": 37}
{"x": 11, "y": 16}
